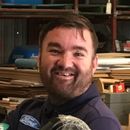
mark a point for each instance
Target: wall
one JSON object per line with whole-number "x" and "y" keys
{"x": 124, "y": 30}
{"x": 12, "y": 33}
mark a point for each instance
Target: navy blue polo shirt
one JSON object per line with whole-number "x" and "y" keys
{"x": 33, "y": 114}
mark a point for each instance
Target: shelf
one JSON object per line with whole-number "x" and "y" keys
{"x": 123, "y": 7}
{"x": 37, "y": 6}
{"x": 123, "y": 17}
{"x": 37, "y": 11}
{"x": 94, "y": 12}
{"x": 49, "y": 10}
{"x": 32, "y": 13}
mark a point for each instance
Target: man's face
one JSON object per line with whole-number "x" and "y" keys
{"x": 67, "y": 62}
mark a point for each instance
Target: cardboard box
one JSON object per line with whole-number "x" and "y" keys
{"x": 125, "y": 127}
{"x": 119, "y": 103}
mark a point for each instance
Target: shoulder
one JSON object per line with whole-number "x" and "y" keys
{"x": 99, "y": 115}
{"x": 28, "y": 106}
{"x": 31, "y": 103}
{"x": 31, "y": 107}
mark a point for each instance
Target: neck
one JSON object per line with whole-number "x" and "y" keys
{"x": 57, "y": 100}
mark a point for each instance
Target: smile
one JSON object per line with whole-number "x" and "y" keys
{"x": 64, "y": 75}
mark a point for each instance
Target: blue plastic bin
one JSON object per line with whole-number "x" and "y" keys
{"x": 23, "y": 52}
{"x": 32, "y": 2}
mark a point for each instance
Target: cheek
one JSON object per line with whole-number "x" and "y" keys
{"x": 47, "y": 62}
{"x": 84, "y": 66}
{"x": 44, "y": 70}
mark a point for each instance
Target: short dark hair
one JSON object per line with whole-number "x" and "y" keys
{"x": 70, "y": 21}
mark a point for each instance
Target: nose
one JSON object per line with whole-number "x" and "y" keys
{"x": 66, "y": 61}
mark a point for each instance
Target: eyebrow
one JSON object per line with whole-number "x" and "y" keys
{"x": 80, "y": 48}
{"x": 54, "y": 44}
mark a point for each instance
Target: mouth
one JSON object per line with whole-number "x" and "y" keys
{"x": 64, "y": 75}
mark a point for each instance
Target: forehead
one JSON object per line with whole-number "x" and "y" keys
{"x": 69, "y": 36}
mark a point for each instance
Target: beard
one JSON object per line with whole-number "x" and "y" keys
{"x": 66, "y": 90}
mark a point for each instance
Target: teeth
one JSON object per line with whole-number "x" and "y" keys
{"x": 64, "y": 74}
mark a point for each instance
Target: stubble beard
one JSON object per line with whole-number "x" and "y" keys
{"x": 60, "y": 92}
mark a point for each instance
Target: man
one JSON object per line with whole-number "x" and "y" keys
{"x": 67, "y": 64}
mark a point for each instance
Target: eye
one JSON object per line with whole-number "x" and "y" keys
{"x": 54, "y": 51}
{"x": 79, "y": 54}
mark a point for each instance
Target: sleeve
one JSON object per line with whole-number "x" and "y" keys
{"x": 105, "y": 124}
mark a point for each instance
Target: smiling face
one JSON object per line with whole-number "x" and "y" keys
{"x": 67, "y": 62}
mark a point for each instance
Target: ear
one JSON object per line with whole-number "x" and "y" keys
{"x": 95, "y": 63}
